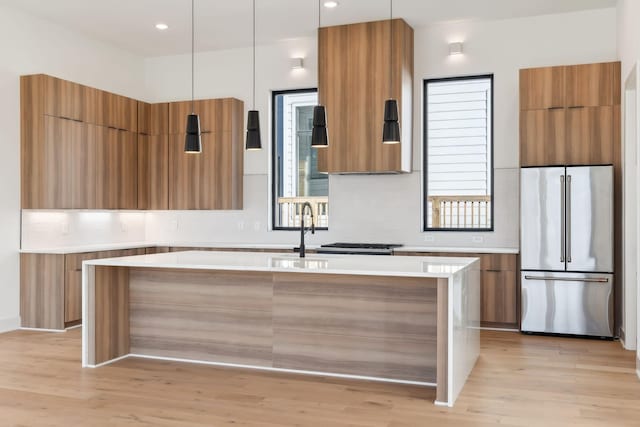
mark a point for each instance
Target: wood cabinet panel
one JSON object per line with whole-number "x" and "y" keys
{"x": 63, "y": 98}
{"x": 499, "y": 262}
{"x": 209, "y": 180}
{"x": 592, "y": 85}
{"x": 353, "y": 84}
{"x": 58, "y": 168}
{"x": 335, "y": 315}
{"x": 73, "y": 285}
{"x": 112, "y": 314}
{"x": 216, "y": 115}
{"x": 157, "y": 250}
{"x": 42, "y": 291}
{"x": 589, "y": 135}
{"x": 153, "y": 172}
{"x": 542, "y": 137}
{"x": 153, "y": 119}
{"x": 542, "y": 88}
{"x": 499, "y": 298}
{"x": 117, "y": 186}
{"x": 111, "y": 110}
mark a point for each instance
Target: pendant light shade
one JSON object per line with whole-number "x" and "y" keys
{"x": 319, "y": 136}
{"x": 192, "y": 141}
{"x": 254, "y": 141}
{"x": 391, "y": 128}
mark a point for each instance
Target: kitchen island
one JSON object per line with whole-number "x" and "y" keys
{"x": 410, "y": 320}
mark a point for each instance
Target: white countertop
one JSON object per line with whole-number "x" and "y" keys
{"x": 369, "y": 265}
{"x": 135, "y": 245}
{"x": 275, "y": 246}
{"x": 441, "y": 249}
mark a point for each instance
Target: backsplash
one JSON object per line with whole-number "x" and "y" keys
{"x": 42, "y": 229}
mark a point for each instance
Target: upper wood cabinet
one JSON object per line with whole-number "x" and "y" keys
{"x": 593, "y": 85}
{"x": 209, "y": 180}
{"x": 153, "y": 119}
{"x": 153, "y": 156}
{"x": 63, "y": 98}
{"x": 111, "y": 110}
{"x": 216, "y": 115}
{"x": 57, "y": 154}
{"x": 585, "y": 85}
{"x": 543, "y": 137}
{"x": 353, "y": 84}
{"x": 116, "y": 168}
{"x": 542, "y": 88}
{"x": 568, "y": 115}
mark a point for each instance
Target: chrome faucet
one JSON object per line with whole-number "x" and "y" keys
{"x": 302, "y": 228}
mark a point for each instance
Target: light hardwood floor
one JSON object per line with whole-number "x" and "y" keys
{"x": 518, "y": 381}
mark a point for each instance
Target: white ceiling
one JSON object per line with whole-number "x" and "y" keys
{"x": 223, "y": 24}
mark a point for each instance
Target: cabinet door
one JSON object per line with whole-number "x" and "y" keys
{"x": 593, "y": 85}
{"x": 499, "y": 298}
{"x": 542, "y": 137}
{"x": 209, "y": 180}
{"x": 153, "y": 172}
{"x": 589, "y": 136}
{"x": 153, "y": 119}
{"x": 42, "y": 291}
{"x": 73, "y": 285}
{"x": 63, "y": 99}
{"x": 216, "y": 115}
{"x": 542, "y": 88}
{"x": 111, "y": 110}
{"x": 62, "y": 173}
{"x": 117, "y": 183}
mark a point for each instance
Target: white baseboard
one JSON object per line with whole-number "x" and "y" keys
{"x": 9, "y": 324}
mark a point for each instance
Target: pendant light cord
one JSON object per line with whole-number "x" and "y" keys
{"x": 390, "y": 49}
{"x": 254, "y": 54}
{"x": 193, "y": 54}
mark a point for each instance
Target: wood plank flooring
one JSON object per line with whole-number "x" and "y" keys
{"x": 519, "y": 381}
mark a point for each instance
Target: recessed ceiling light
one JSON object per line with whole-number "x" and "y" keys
{"x": 162, "y": 26}
{"x": 331, "y": 4}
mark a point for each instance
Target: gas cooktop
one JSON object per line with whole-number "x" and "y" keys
{"x": 358, "y": 248}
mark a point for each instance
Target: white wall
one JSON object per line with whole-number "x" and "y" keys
{"x": 30, "y": 45}
{"x": 381, "y": 207}
{"x": 629, "y": 54}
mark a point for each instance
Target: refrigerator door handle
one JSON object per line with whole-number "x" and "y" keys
{"x": 562, "y": 218}
{"x": 565, "y": 279}
{"x": 568, "y": 218}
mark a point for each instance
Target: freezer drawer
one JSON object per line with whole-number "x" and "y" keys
{"x": 567, "y": 303}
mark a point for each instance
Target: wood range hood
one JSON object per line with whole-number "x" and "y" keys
{"x": 354, "y": 65}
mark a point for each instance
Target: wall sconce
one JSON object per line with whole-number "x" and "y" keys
{"x": 455, "y": 48}
{"x": 297, "y": 63}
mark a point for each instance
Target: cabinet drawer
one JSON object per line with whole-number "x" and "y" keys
{"x": 499, "y": 262}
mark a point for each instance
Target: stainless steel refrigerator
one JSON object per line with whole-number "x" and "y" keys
{"x": 566, "y": 237}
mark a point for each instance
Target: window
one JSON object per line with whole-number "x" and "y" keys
{"x": 296, "y": 179}
{"x": 458, "y": 147}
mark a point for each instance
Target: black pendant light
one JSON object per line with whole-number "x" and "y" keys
{"x": 254, "y": 141}
{"x": 391, "y": 128}
{"x": 193, "y": 141}
{"x": 319, "y": 136}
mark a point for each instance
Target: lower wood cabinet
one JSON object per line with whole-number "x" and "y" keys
{"x": 51, "y": 287}
{"x": 499, "y": 288}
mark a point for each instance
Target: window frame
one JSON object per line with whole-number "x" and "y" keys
{"x": 274, "y": 148}
{"x": 425, "y": 154}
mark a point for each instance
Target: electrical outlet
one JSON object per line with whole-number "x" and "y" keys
{"x": 174, "y": 225}
{"x": 240, "y": 225}
{"x": 429, "y": 239}
{"x": 477, "y": 239}
{"x": 123, "y": 226}
{"x": 65, "y": 228}
{"x": 256, "y": 226}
